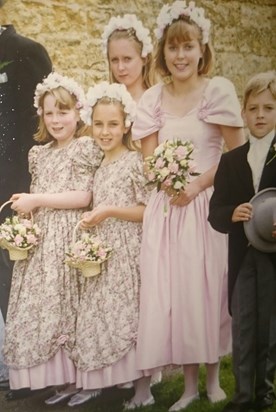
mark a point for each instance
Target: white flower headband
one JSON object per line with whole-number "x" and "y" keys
{"x": 179, "y": 8}
{"x": 128, "y": 21}
{"x": 55, "y": 80}
{"x": 114, "y": 91}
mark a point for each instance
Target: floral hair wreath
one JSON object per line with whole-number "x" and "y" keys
{"x": 114, "y": 91}
{"x": 128, "y": 21}
{"x": 55, "y": 80}
{"x": 179, "y": 8}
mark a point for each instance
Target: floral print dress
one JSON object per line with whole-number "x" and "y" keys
{"x": 44, "y": 295}
{"x": 108, "y": 312}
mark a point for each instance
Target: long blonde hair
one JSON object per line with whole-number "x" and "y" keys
{"x": 147, "y": 71}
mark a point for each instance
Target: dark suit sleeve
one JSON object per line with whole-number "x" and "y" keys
{"x": 34, "y": 64}
{"x": 221, "y": 208}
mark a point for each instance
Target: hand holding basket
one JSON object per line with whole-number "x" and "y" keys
{"x": 87, "y": 254}
{"x": 18, "y": 235}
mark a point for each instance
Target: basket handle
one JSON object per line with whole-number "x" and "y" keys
{"x": 74, "y": 237}
{"x": 5, "y": 204}
{"x": 11, "y": 201}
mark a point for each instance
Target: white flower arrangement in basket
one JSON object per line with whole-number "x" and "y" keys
{"x": 18, "y": 235}
{"x": 87, "y": 253}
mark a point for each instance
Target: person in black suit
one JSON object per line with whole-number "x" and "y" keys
{"x": 23, "y": 64}
{"x": 241, "y": 173}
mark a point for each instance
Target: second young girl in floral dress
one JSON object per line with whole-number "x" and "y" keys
{"x": 108, "y": 311}
{"x": 41, "y": 320}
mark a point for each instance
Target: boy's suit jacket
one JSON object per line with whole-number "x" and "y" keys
{"x": 29, "y": 64}
{"x": 233, "y": 186}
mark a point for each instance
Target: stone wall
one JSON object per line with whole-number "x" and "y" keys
{"x": 244, "y": 36}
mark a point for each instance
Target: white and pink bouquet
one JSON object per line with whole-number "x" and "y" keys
{"x": 171, "y": 166}
{"x": 87, "y": 254}
{"x": 18, "y": 235}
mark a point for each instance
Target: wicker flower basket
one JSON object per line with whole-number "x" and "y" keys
{"x": 15, "y": 253}
{"x": 88, "y": 267}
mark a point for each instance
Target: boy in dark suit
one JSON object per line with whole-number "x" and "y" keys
{"x": 241, "y": 173}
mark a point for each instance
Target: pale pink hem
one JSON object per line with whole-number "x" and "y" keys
{"x": 125, "y": 370}
{"x": 58, "y": 370}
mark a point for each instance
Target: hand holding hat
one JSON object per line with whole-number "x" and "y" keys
{"x": 261, "y": 228}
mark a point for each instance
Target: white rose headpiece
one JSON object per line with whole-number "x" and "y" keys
{"x": 113, "y": 91}
{"x": 170, "y": 12}
{"x": 55, "y": 80}
{"x": 128, "y": 21}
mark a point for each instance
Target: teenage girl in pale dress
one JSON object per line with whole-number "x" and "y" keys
{"x": 128, "y": 47}
{"x": 183, "y": 308}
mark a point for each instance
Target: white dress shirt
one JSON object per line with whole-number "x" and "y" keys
{"x": 257, "y": 154}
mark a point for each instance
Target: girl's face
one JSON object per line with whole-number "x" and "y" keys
{"x": 60, "y": 123}
{"x": 182, "y": 58}
{"x": 108, "y": 127}
{"x": 125, "y": 61}
{"x": 260, "y": 113}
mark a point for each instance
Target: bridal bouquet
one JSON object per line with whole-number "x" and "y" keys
{"x": 18, "y": 235}
{"x": 87, "y": 254}
{"x": 171, "y": 165}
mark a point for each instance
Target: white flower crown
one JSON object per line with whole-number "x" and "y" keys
{"x": 179, "y": 8}
{"x": 55, "y": 80}
{"x": 128, "y": 21}
{"x": 114, "y": 91}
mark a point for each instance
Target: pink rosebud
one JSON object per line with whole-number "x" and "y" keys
{"x": 167, "y": 182}
{"x": 151, "y": 176}
{"x": 173, "y": 167}
{"x": 159, "y": 163}
{"x": 31, "y": 239}
{"x": 18, "y": 239}
{"x": 181, "y": 152}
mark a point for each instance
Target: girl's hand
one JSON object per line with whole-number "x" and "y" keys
{"x": 23, "y": 203}
{"x": 95, "y": 216}
{"x": 187, "y": 195}
{"x": 242, "y": 213}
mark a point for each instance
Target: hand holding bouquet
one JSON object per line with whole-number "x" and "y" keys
{"x": 171, "y": 166}
{"x": 87, "y": 254}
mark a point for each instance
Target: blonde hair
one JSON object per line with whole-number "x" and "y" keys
{"x": 147, "y": 71}
{"x": 259, "y": 83}
{"x": 64, "y": 100}
{"x": 127, "y": 139}
{"x": 180, "y": 30}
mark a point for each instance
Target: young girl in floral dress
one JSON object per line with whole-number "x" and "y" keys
{"x": 41, "y": 320}
{"x": 183, "y": 316}
{"x": 128, "y": 47}
{"x": 108, "y": 312}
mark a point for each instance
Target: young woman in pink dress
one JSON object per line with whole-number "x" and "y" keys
{"x": 183, "y": 305}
